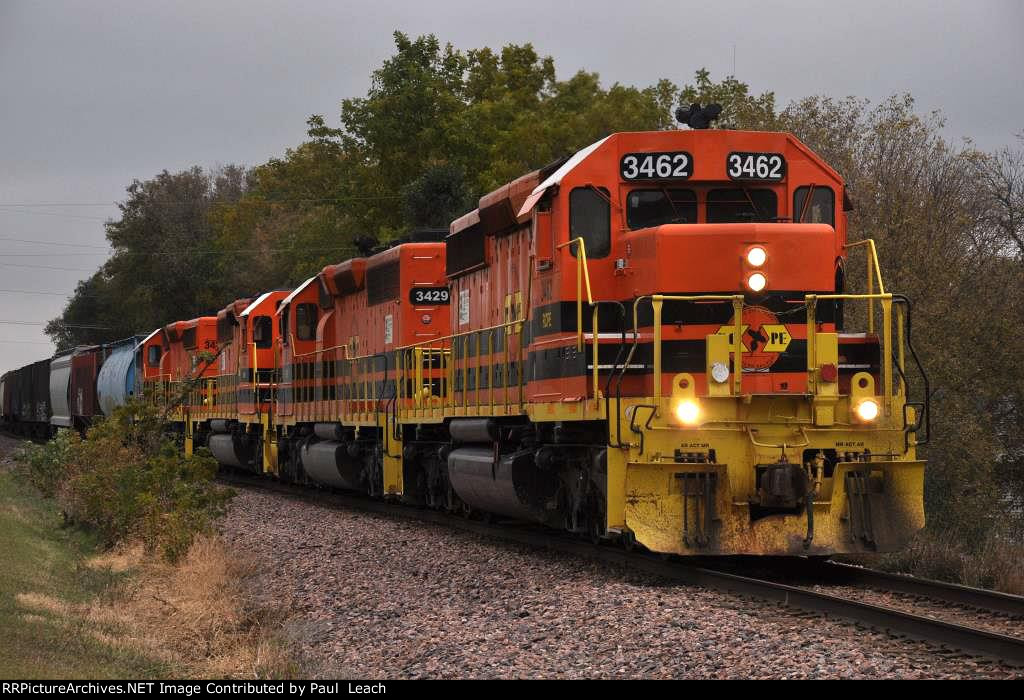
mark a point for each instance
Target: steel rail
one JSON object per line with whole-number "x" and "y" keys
{"x": 982, "y": 598}
{"x": 947, "y": 634}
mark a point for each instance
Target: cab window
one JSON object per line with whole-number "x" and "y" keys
{"x": 305, "y": 321}
{"x": 646, "y": 208}
{"x": 820, "y": 210}
{"x": 282, "y": 324}
{"x": 590, "y": 219}
{"x": 155, "y": 351}
{"x": 262, "y": 328}
{"x": 742, "y": 205}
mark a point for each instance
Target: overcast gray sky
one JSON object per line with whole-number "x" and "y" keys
{"x": 96, "y": 93}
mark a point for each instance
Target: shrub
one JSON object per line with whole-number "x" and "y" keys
{"x": 45, "y": 466}
{"x": 997, "y": 561}
{"x": 127, "y": 479}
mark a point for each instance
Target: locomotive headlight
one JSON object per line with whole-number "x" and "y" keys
{"x": 867, "y": 410}
{"x": 757, "y": 282}
{"x": 756, "y": 256}
{"x": 687, "y": 412}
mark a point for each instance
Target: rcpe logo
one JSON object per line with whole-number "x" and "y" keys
{"x": 762, "y": 336}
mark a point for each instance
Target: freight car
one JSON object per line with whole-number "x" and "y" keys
{"x": 71, "y": 389}
{"x": 27, "y": 407}
{"x": 652, "y": 341}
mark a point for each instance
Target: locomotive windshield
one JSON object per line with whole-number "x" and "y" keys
{"x": 821, "y": 209}
{"x": 645, "y": 208}
{"x": 742, "y": 205}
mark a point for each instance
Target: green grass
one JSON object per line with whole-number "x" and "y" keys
{"x": 44, "y": 593}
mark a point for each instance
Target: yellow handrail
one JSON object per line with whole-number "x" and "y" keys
{"x": 255, "y": 374}
{"x": 873, "y": 266}
{"x": 810, "y": 300}
{"x": 582, "y": 274}
{"x": 656, "y": 303}
{"x": 872, "y": 261}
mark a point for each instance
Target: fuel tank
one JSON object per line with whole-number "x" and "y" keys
{"x": 219, "y": 425}
{"x": 512, "y": 485}
{"x": 480, "y": 430}
{"x": 227, "y": 451}
{"x": 329, "y": 431}
{"x": 330, "y": 464}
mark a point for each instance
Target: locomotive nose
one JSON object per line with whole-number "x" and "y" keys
{"x": 744, "y": 257}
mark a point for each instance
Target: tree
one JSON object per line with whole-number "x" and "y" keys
{"x": 164, "y": 264}
{"x": 437, "y": 129}
{"x": 921, "y": 199}
{"x": 1002, "y": 180}
{"x": 436, "y": 197}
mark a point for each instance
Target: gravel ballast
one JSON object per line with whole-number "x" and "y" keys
{"x": 372, "y": 596}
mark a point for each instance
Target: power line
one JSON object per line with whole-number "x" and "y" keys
{"x": 57, "y": 204}
{"x": 66, "y": 245}
{"x": 47, "y": 267}
{"x": 184, "y": 252}
{"x": 284, "y": 200}
{"x": 9, "y": 210}
{"x": 28, "y": 291}
{"x": 49, "y": 254}
{"x": 58, "y": 322}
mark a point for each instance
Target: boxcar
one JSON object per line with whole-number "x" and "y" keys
{"x": 30, "y": 399}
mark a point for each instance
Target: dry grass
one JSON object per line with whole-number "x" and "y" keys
{"x": 38, "y": 602}
{"x": 66, "y": 612}
{"x": 996, "y": 563}
{"x": 46, "y": 594}
{"x": 196, "y": 616}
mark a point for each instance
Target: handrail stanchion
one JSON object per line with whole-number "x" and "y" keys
{"x": 900, "y": 343}
{"x": 737, "y": 344}
{"x": 887, "y": 354}
{"x": 656, "y": 302}
{"x": 490, "y": 372}
{"x": 476, "y": 372}
{"x": 871, "y": 303}
{"x": 582, "y": 276}
{"x": 874, "y": 273}
{"x": 811, "y": 304}
{"x": 594, "y": 331}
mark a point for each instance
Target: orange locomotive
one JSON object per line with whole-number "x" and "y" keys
{"x": 645, "y": 342}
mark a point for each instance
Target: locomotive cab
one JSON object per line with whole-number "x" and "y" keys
{"x": 238, "y": 430}
{"x": 256, "y": 347}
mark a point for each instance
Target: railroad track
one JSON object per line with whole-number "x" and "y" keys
{"x": 835, "y": 573}
{"x": 950, "y": 635}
